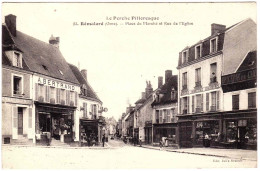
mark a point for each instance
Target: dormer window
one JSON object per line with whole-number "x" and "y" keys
{"x": 17, "y": 59}
{"x": 213, "y": 45}
{"x": 198, "y": 51}
{"x": 84, "y": 90}
{"x": 185, "y": 56}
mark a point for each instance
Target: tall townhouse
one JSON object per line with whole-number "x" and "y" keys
{"x": 201, "y": 66}
{"x": 89, "y": 116}
{"x": 17, "y": 104}
{"x": 53, "y": 89}
{"x": 143, "y": 115}
{"x": 165, "y": 110}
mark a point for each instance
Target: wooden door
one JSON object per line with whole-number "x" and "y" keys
{"x": 20, "y": 121}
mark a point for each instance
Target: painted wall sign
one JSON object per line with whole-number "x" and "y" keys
{"x": 56, "y": 84}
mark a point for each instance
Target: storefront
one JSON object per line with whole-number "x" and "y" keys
{"x": 165, "y": 131}
{"x": 148, "y": 132}
{"x": 54, "y": 122}
{"x": 91, "y": 132}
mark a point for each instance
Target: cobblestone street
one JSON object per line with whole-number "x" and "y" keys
{"x": 116, "y": 155}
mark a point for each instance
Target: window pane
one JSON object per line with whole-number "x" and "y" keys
{"x": 235, "y": 102}
{"x": 252, "y": 100}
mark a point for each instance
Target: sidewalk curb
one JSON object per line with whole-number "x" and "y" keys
{"x": 202, "y": 154}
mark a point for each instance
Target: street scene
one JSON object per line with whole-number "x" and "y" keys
{"x": 129, "y": 85}
{"x": 117, "y": 155}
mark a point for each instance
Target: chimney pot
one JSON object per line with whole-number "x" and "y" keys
{"x": 55, "y": 41}
{"x": 215, "y": 28}
{"x": 168, "y": 74}
{"x": 84, "y": 74}
{"x": 10, "y": 21}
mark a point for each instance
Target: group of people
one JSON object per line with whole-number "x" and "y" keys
{"x": 91, "y": 140}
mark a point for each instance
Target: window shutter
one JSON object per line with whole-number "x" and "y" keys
{"x": 188, "y": 104}
{"x": 207, "y": 102}
{"x": 193, "y": 105}
{"x": 15, "y": 117}
{"x": 67, "y": 97}
{"x": 47, "y": 92}
{"x": 202, "y": 102}
{"x": 30, "y": 118}
{"x": 76, "y": 98}
{"x": 181, "y": 101}
{"x": 58, "y": 95}
{"x": 36, "y": 91}
{"x": 217, "y": 94}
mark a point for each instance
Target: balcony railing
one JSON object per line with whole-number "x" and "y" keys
{"x": 213, "y": 108}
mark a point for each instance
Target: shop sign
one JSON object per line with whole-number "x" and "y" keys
{"x": 56, "y": 84}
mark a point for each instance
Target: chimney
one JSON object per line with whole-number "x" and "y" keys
{"x": 148, "y": 89}
{"x": 168, "y": 74}
{"x": 143, "y": 95}
{"x": 160, "y": 81}
{"x": 55, "y": 41}
{"x": 84, "y": 74}
{"x": 215, "y": 28}
{"x": 10, "y": 21}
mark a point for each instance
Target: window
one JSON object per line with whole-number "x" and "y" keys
{"x": 185, "y": 105}
{"x": 207, "y": 102}
{"x": 17, "y": 60}
{"x": 17, "y": 85}
{"x": 184, "y": 57}
{"x": 193, "y": 104}
{"x": 213, "y": 101}
{"x": 160, "y": 116}
{"x": 198, "y": 103}
{"x": 213, "y": 45}
{"x": 85, "y": 105}
{"x": 197, "y": 51}
{"x": 198, "y": 77}
{"x": 213, "y": 72}
{"x": 252, "y": 100}
{"x": 157, "y": 116}
{"x": 53, "y": 93}
{"x": 62, "y": 95}
{"x": 184, "y": 81}
{"x": 72, "y": 96}
{"x": 235, "y": 102}
{"x": 168, "y": 119}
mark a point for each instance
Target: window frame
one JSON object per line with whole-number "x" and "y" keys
{"x": 216, "y": 46}
{"x": 235, "y": 95}
{"x": 22, "y": 84}
{"x": 196, "y": 53}
{"x": 184, "y": 59}
{"x": 197, "y": 81}
{"x": 253, "y": 102}
{"x": 19, "y": 64}
{"x": 185, "y": 81}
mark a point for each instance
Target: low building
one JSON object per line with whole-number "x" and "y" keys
{"x": 88, "y": 117}
{"x": 165, "y": 112}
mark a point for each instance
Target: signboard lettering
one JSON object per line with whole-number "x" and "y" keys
{"x": 55, "y": 84}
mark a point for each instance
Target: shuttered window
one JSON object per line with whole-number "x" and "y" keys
{"x": 235, "y": 102}
{"x": 217, "y": 94}
{"x": 160, "y": 116}
{"x": 252, "y": 100}
{"x": 76, "y": 98}
{"x": 58, "y": 95}
{"x": 30, "y": 118}
{"x": 202, "y": 102}
{"x": 207, "y": 102}
{"x": 47, "y": 92}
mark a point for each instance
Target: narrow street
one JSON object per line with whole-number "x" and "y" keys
{"x": 116, "y": 155}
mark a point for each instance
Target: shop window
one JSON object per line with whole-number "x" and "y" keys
{"x": 45, "y": 122}
{"x": 213, "y": 72}
{"x": 17, "y": 85}
{"x": 235, "y": 102}
{"x": 184, "y": 80}
{"x": 213, "y": 45}
{"x": 231, "y": 131}
{"x": 252, "y": 100}
{"x": 198, "y": 77}
{"x": 251, "y": 132}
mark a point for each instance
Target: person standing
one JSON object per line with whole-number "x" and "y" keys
{"x": 103, "y": 140}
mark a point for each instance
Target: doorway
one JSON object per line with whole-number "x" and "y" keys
{"x": 20, "y": 121}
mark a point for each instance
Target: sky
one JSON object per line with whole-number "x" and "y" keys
{"x": 119, "y": 59}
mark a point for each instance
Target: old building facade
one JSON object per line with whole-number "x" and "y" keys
{"x": 201, "y": 67}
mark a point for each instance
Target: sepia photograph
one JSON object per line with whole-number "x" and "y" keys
{"x": 129, "y": 85}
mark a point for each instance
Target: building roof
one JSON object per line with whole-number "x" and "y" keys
{"x": 166, "y": 90}
{"x": 81, "y": 80}
{"x": 41, "y": 57}
{"x": 206, "y": 44}
{"x": 140, "y": 101}
{"x": 250, "y": 62}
